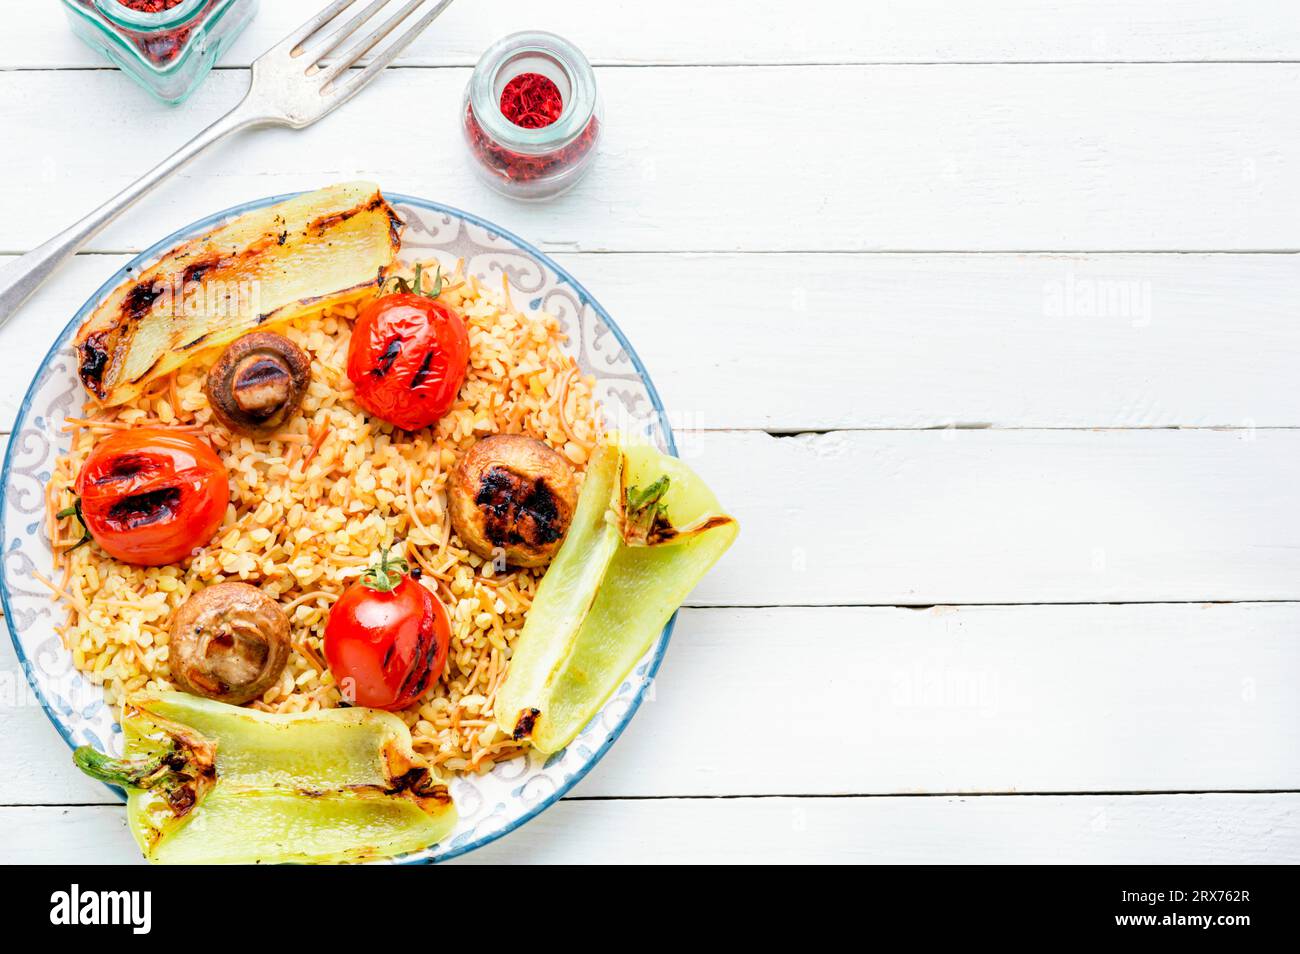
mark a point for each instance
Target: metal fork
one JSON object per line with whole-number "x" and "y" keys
{"x": 295, "y": 83}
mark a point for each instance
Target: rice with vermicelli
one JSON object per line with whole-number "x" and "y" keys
{"x": 312, "y": 505}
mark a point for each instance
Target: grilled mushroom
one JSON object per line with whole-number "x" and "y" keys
{"x": 514, "y": 496}
{"x": 228, "y": 642}
{"x": 258, "y": 382}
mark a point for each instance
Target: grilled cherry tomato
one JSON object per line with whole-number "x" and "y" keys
{"x": 408, "y": 355}
{"x": 150, "y": 496}
{"x": 387, "y": 637}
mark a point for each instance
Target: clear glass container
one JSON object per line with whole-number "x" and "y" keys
{"x": 532, "y": 163}
{"x": 168, "y": 51}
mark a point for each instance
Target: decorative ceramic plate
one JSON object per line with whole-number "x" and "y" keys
{"x": 490, "y": 805}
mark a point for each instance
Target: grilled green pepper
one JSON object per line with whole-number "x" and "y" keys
{"x": 212, "y": 783}
{"x": 645, "y": 530}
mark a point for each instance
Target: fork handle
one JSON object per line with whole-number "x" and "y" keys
{"x": 23, "y": 276}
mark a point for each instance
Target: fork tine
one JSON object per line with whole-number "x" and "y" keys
{"x": 365, "y": 45}
{"x": 394, "y": 49}
{"x": 347, "y": 30}
{"x": 295, "y": 39}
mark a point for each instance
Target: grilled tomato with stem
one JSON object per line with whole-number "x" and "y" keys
{"x": 386, "y": 638}
{"x": 408, "y": 355}
{"x": 150, "y": 496}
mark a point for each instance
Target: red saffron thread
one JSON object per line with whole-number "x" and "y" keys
{"x": 531, "y": 101}
{"x": 151, "y": 6}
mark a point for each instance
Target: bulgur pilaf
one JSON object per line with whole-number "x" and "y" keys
{"x": 311, "y": 505}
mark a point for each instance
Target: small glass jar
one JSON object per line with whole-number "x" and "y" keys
{"x": 541, "y": 162}
{"x": 166, "y": 46}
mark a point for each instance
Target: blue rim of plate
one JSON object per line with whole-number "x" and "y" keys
{"x": 395, "y": 198}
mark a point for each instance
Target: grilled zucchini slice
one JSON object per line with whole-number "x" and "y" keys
{"x": 258, "y": 270}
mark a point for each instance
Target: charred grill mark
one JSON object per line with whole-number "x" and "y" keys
{"x": 182, "y": 798}
{"x": 426, "y": 669}
{"x": 395, "y": 226}
{"x": 140, "y": 299}
{"x": 183, "y": 794}
{"x": 661, "y": 531}
{"x": 423, "y": 371}
{"x": 197, "y": 341}
{"x": 122, "y": 467}
{"x": 256, "y": 248}
{"x": 418, "y": 674}
{"x": 415, "y": 779}
{"x": 524, "y": 727}
{"x": 141, "y": 510}
{"x": 384, "y": 364}
{"x": 517, "y": 509}
{"x": 326, "y": 222}
{"x": 712, "y": 522}
{"x": 437, "y": 793}
{"x": 195, "y": 271}
{"x": 374, "y": 203}
{"x": 175, "y": 760}
{"x": 93, "y": 362}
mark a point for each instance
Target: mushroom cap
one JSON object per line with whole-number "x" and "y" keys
{"x": 515, "y": 496}
{"x": 258, "y": 382}
{"x": 228, "y": 642}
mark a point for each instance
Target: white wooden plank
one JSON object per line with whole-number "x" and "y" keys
{"x": 762, "y": 31}
{"x": 85, "y": 835}
{"x": 815, "y": 342}
{"x": 1163, "y": 829}
{"x": 888, "y": 701}
{"x": 989, "y": 699}
{"x": 985, "y": 516}
{"x": 978, "y": 158}
{"x": 1185, "y": 829}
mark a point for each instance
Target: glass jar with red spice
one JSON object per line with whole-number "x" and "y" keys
{"x": 167, "y": 46}
{"x": 532, "y": 115}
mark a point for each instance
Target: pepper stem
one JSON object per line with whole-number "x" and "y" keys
{"x": 183, "y": 768}
{"x": 142, "y": 773}
{"x": 644, "y": 511}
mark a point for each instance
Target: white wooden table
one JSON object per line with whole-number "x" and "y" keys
{"x": 982, "y": 317}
